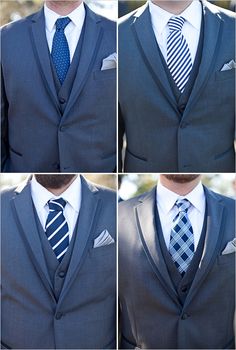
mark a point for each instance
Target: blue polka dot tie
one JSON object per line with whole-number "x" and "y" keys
{"x": 181, "y": 239}
{"x": 60, "y": 49}
{"x": 56, "y": 229}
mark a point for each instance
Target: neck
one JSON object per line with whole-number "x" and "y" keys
{"x": 173, "y": 6}
{"x": 59, "y": 191}
{"x": 63, "y": 7}
{"x": 182, "y": 189}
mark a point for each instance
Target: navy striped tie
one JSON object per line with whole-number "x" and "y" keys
{"x": 56, "y": 229}
{"x": 181, "y": 239}
{"x": 179, "y": 59}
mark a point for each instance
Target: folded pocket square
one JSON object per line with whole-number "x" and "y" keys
{"x": 103, "y": 239}
{"x": 109, "y": 62}
{"x": 228, "y": 66}
{"x": 230, "y": 247}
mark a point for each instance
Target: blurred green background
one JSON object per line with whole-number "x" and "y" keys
{"x": 12, "y": 10}
{"x": 133, "y": 184}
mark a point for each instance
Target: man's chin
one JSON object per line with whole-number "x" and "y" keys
{"x": 180, "y": 178}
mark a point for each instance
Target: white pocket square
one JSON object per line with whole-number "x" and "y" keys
{"x": 103, "y": 239}
{"x": 228, "y": 66}
{"x": 230, "y": 247}
{"x": 109, "y": 62}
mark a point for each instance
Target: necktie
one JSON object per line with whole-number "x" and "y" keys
{"x": 181, "y": 239}
{"x": 60, "y": 49}
{"x": 179, "y": 59}
{"x": 56, "y": 229}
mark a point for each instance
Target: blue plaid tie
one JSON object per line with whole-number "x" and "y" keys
{"x": 181, "y": 239}
{"x": 56, "y": 229}
{"x": 60, "y": 49}
{"x": 178, "y": 54}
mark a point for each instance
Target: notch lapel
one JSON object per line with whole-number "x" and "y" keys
{"x": 145, "y": 218}
{"x": 146, "y": 41}
{"x": 214, "y": 233}
{"x": 211, "y": 43}
{"x": 42, "y": 54}
{"x": 86, "y": 222}
{"x": 93, "y": 34}
{"x": 23, "y": 205}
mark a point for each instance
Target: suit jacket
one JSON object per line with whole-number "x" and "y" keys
{"x": 152, "y": 316}
{"x": 162, "y": 136}
{"x": 84, "y": 315}
{"x": 36, "y": 136}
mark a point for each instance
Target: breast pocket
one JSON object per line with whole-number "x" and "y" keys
{"x": 104, "y": 74}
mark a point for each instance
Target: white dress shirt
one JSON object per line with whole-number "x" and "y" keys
{"x": 167, "y": 210}
{"x": 191, "y": 28}
{"x": 72, "y": 30}
{"x": 72, "y": 195}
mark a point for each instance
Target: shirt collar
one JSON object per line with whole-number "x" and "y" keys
{"x": 166, "y": 199}
{"x": 71, "y": 195}
{"x": 192, "y": 14}
{"x": 77, "y": 17}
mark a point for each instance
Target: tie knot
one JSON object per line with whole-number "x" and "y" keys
{"x": 56, "y": 204}
{"x": 176, "y": 23}
{"x": 183, "y": 205}
{"x": 61, "y": 23}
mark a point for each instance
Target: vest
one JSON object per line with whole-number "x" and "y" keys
{"x": 56, "y": 270}
{"x": 181, "y": 284}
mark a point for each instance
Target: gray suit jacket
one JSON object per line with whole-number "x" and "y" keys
{"x": 152, "y": 316}
{"x": 160, "y": 137}
{"x": 84, "y": 316}
{"x": 36, "y": 137}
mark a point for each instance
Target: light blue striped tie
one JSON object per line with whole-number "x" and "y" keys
{"x": 179, "y": 59}
{"x": 56, "y": 229}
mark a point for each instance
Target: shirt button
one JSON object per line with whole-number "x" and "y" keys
{"x": 61, "y": 274}
{"x": 58, "y": 315}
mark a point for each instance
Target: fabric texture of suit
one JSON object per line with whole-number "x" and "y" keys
{"x": 50, "y": 129}
{"x": 46, "y": 305}
{"x": 155, "y": 313}
{"x": 166, "y": 133}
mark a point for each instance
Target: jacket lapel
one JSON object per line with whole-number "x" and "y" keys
{"x": 42, "y": 54}
{"x": 146, "y": 41}
{"x": 92, "y": 39}
{"x": 145, "y": 218}
{"x": 215, "y": 229}
{"x": 25, "y": 216}
{"x": 212, "y": 39}
{"x": 86, "y": 222}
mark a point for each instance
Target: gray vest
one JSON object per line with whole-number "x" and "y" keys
{"x": 182, "y": 99}
{"x": 64, "y": 90}
{"x": 182, "y": 284}
{"x": 57, "y": 271}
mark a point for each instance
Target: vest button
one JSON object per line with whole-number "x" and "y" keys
{"x": 61, "y": 274}
{"x": 182, "y": 108}
{"x": 184, "y": 316}
{"x": 58, "y": 315}
{"x": 62, "y": 100}
{"x": 184, "y": 289}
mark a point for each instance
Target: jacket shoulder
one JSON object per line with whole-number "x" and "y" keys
{"x": 15, "y": 26}
{"x": 221, "y": 12}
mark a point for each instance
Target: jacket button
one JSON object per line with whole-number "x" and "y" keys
{"x": 61, "y": 274}
{"x": 62, "y": 128}
{"x": 183, "y": 125}
{"x": 58, "y": 315}
{"x": 62, "y": 100}
{"x": 184, "y": 316}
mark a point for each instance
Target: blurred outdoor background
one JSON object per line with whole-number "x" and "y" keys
{"x": 12, "y": 10}
{"x": 133, "y": 184}
{"x": 126, "y": 6}
{"x": 7, "y": 180}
